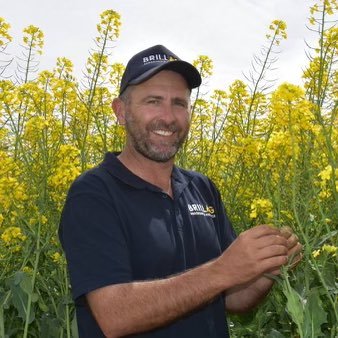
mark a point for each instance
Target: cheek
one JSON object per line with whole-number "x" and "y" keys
{"x": 185, "y": 121}
{"x": 143, "y": 115}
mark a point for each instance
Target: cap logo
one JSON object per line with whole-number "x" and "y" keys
{"x": 157, "y": 58}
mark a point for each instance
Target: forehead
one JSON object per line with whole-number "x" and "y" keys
{"x": 165, "y": 80}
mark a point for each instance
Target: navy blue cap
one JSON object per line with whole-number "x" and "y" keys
{"x": 150, "y": 61}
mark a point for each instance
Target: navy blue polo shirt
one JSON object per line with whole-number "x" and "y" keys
{"x": 117, "y": 228}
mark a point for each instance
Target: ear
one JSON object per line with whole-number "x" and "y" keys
{"x": 119, "y": 109}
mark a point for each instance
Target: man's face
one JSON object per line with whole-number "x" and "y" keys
{"x": 157, "y": 116}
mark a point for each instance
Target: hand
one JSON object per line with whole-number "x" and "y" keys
{"x": 256, "y": 251}
{"x": 294, "y": 247}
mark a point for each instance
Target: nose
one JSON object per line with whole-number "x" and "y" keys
{"x": 167, "y": 112}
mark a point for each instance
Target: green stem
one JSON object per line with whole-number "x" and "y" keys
{"x": 256, "y": 86}
{"x": 68, "y": 320}
{"x": 35, "y": 270}
{"x": 2, "y": 322}
{"x": 29, "y": 59}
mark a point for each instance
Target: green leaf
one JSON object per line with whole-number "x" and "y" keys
{"x": 20, "y": 285}
{"x": 19, "y": 300}
{"x": 26, "y": 284}
{"x": 49, "y": 327}
{"x": 275, "y": 334}
{"x": 315, "y": 316}
{"x": 35, "y": 297}
{"x": 18, "y": 277}
{"x": 42, "y": 305}
{"x": 294, "y": 305}
{"x": 4, "y": 299}
{"x": 75, "y": 333}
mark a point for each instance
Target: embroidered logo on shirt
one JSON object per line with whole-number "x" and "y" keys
{"x": 201, "y": 210}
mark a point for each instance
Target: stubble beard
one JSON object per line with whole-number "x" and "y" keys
{"x": 142, "y": 143}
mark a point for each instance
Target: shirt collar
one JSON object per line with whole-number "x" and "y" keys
{"x": 180, "y": 178}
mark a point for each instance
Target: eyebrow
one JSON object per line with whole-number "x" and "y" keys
{"x": 174, "y": 100}
{"x": 157, "y": 97}
{"x": 177, "y": 100}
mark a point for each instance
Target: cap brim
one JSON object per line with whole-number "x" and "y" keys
{"x": 188, "y": 71}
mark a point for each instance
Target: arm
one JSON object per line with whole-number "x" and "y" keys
{"x": 241, "y": 299}
{"x": 128, "y": 308}
{"x": 124, "y": 309}
{"x": 245, "y": 297}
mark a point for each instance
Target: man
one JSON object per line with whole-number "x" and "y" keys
{"x": 150, "y": 250}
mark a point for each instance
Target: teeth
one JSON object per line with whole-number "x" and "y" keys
{"x": 163, "y": 132}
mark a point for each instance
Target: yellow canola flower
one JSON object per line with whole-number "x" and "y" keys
{"x": 12, "y": 192}
{"x": 326, "y": 173}
{"x": 109, "y": 27}
{"x": 330, "y": 6}
{"x": 324, "y": 193}
{"x": 331, "y": 249}
{"x": 32, "y": 221}
{"x": 316, "y": 253}
{"x": 115, "y": 74}
{"x": 290, "y": 108}
{"x": 261, "y": 207}
{"x": 279, "y": 27}
{"x": 12, "y": 236}
{"x": 4, "y": 36}
{"x": 33, "y": 38}
{"x": 66, "y": 169}
{"x": 27, "y": 269}
{"x": 56, "y": 257}
{"x": 205, "y": 65}
{"x": 63, "y": 65}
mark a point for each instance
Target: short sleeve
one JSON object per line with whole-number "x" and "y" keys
{"x": 93, "y": 238}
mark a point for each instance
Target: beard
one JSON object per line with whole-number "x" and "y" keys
{"x": 160, "y": 150}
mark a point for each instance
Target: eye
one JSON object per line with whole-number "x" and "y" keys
{"x": 180, "y": 103}
{"x": 153, "y": 100}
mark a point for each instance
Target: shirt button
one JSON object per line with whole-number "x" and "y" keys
{"x": 164, "y": 195}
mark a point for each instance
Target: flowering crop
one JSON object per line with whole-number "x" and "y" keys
{"x": 272, "y": 153}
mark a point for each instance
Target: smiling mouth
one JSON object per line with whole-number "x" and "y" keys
{"x": 163, "y": 132}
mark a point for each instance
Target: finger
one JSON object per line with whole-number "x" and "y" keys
{"x": 274, "y": 272}
{"x": 296, "y": 260}
{"x": 295, "y": 253}
{"x": 273, "y": 264}
{"x": 268, "y": 240}
{"x": 292, "y": 241}
{"x": 273, "y": 251}
{"x": 295, "y": 250}
{"x": 263, "y": 230}
{"x": 286, "y": 231}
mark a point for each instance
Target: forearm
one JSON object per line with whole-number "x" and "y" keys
{"x": 243, "y": 298}
{"x": 142, "y": 306}
{"x": 125, "y": 309}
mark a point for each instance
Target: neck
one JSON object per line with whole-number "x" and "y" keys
{"x": 156, "y": 173}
